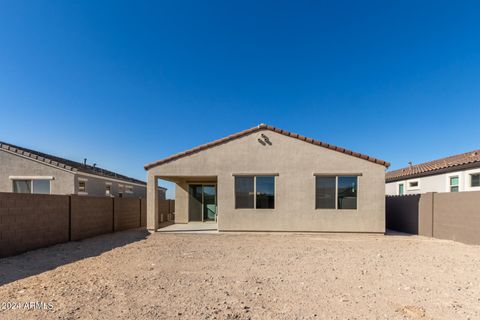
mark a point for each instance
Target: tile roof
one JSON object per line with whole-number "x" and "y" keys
{"x": 66, "y": 164}
{"x": 433, "y": 167}
{"x": 260, "y": 128}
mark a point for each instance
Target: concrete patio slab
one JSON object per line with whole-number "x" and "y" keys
{"x": 191, "y": 227}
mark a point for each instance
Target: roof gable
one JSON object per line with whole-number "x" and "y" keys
{"x": 262, "y": 127}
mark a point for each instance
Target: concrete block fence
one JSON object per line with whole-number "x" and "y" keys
{"x": 32, "y": 221}
{"x": 452, "y": 215}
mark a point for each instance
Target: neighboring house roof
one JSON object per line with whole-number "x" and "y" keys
{"x": 69, "y": 165}
{"x": 260, "y": 128}
{"x": 447, "y": 164}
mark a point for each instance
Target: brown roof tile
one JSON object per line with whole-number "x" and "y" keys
{"x": 260, "y": 128}
{"x": 432, "y": 167}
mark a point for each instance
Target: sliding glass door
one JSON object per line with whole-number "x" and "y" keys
{"x": 202, "y": 202}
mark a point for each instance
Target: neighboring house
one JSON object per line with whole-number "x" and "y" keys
{"x": 268, "y": 179}
{"x": 456, "y": 173}
{"x": 27, "y": 171}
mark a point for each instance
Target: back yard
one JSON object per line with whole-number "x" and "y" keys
{"x": 240, "y": 276}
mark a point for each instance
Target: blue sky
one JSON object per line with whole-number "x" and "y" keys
{"x": 126, "y": 83}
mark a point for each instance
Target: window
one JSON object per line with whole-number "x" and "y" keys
{"x": 22, "y": 186}
{"x": 325, "y": 192}
{"x": 82, "y": 186}
{"x": 120, "y": 190}
{"x": 347, "y": 192}
{"x": 254, "y": 192}
{"x": 128, "y": 189}
{"x": 265, "y": 192}
{"x": 475, "y": 180}
{"x": 413, "y": 185}
{"x": 40, "y": 186}
{"x": 401, "y": 190}
{"x": 454, "y": 184}
{"x": 108, "y": 189}
{"x": 336, "y": 192}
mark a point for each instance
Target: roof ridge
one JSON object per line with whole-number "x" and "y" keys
{"x": 263, "y": 126}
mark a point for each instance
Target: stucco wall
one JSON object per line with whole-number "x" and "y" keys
{"x": 295, "y": 162}
{"x": 13, "y": 165}
{"x": 96, "y": 187}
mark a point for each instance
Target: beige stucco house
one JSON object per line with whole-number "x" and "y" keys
{"x": 268, "y": 179}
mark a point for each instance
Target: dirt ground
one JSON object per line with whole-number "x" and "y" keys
{"x": 244, "y": 276}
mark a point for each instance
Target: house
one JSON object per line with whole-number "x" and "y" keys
{"x": 456, "y": 173}
{"x": 269, "y": 179}
{"x": 27, "y": 171}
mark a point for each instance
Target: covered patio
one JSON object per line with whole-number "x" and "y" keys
{"x": 195, "y": 203}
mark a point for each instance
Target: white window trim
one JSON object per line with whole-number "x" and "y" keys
{"x": 397, "y": 186}
{"x": 85, "y": 192}
{"x": 468, "y": 180}
{"x": 129, "y": 189}
{"x": 14, "y": 178}
{"x": 409, "y": 188}
{"x": 31, "y": 178}
{"x": 460, "y": 181}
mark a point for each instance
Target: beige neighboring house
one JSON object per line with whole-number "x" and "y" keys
{"x": 457, "y": 173}
{"x": 24, "y": 170}
{"x": 269, "y": 179}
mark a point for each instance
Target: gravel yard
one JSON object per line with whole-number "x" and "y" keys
{"x": 241, "y": 276}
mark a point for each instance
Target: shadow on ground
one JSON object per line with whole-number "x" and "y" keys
{"x": 390, "y": 232}
{"x": 38, "y": 261}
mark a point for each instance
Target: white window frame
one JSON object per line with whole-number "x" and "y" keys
{"x": 450, "y": 182}
{"x": 128, "y": 189}
{"x": 409, "y": 188}
{"x": 85, "y": 190}
{"x": 468, "y": 180}
{"x": 458, "y": 174}
{"x": 31, "y": 178}
{"x": 108, "y": 192}
{"x": 397, "y": 191}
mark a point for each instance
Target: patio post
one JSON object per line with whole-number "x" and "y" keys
{"x": 152, "y": 203}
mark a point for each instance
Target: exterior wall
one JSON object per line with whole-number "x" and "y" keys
{"x": 295, "y": 162}
{"x": 96, "y": 186}
{"x": 14, "y": 165}
{"x": 435, "y": 183}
